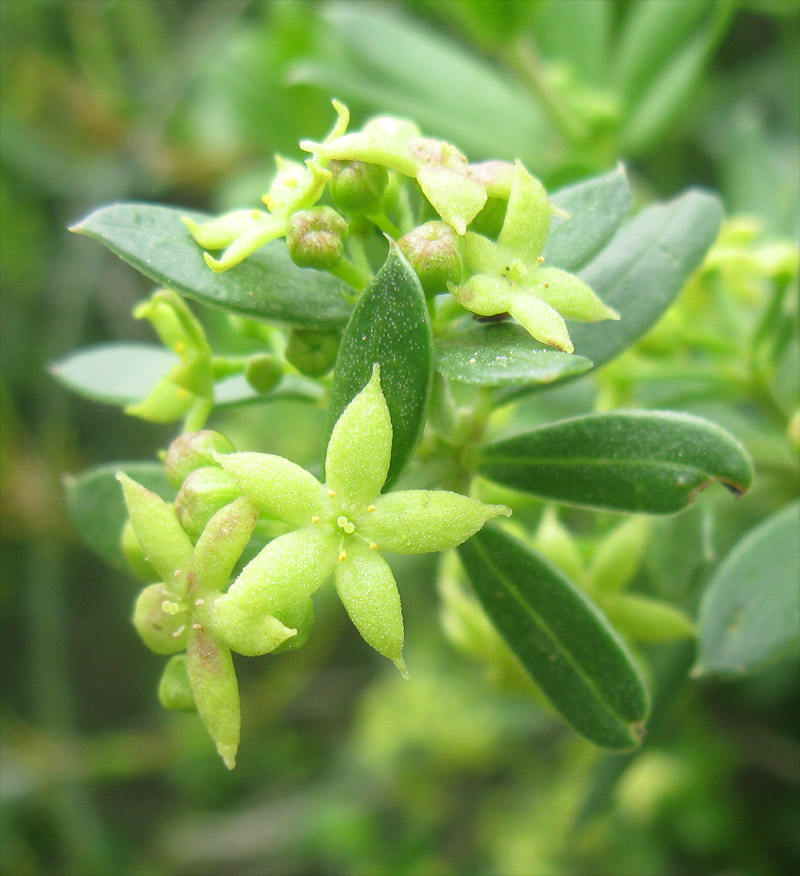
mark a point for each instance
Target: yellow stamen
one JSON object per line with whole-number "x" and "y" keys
{"x": 373, "y": 546}
{"x": 540, "y": 259}
{"x": 315, "y": 519}
{"x": 197, "y": 626}
{"x": 200, "y": 602}
{"x": 331, "y": 493}
{"x": 342, "y": 556}
{"x": 371, "y": 507}
{"x": 179, "y": 632}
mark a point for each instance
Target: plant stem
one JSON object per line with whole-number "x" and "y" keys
{"x": 353, "y": 276}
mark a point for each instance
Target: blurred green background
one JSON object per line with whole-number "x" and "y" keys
{"x": 345, "y": 768}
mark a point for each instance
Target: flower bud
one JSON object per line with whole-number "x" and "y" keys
{"x": 312, "y": 352}
{"x": 194, "y": 450}
{"x": 263, "y": 372}
{"x": 160, "y": 621}
{"x": 134, "y": 554}
{"x": 357, "y": 187}
{"x": 203, "y": 493}
{"x": 434, "y": 252}
{"x": 315, "y": 237}
{"x": 299, "y": 616}
{"x": 174, "y": 690}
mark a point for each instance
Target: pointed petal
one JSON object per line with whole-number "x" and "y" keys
{"x": 482, "y": 255}
{"x": 216, "y": 692}
{"x": 166, "y": 403}
{"x": 270, "y": 228}
{"x": 287, "y": 570}
{"x": 571, "y": 297}
{"x": 247, "y": 634}
{"x": 368, "y": 591}
{"x": 372, "y": 146}
{"x": 527, "y": 223}
{"x": 456, "y": 197}
{"x": 220, "y": 545}
{"x": 277, "y": 486}
{"x": 222, "y": 231}
{"x": 540, "y": 320}
{"x": 483, "y": 294}
{"x": 166, "y": 546}
{"x": 360, "y": 448}
{"x": 419, "y": 521}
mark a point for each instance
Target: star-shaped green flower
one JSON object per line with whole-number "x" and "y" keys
{"x": 508, "y": 276}
{"x": 343, "y": 526}
{"x": 176, "y": 614}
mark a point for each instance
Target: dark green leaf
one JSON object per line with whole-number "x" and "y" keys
{"x": 267, "y": 285}
{"x": 503, "y": 355}
{"x": 750, "y": 615}
{"x": 390, "y": 326}
{"x": 652, "y": 462}
{"x": 596, "y": 206}
{"x": 97, "y": 509}
{"x": 561, "y": 639}
{"x": 643, "y": 269}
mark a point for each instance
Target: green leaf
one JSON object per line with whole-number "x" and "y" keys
{"x": 750, "y": 614}
{"x": 561, "y": 639}
{"x": 267, "y": 285}
{"x": 502, "y": 354}
{"x": 652, "y": 462}
{"x": 643, "y": 269}
{"x": 117, "y": 374}
{"x": 97, "y": 509}
{"x": 596, "y": 206}
{"x": 121, "y": 374}
{"x": 390, "y": 327}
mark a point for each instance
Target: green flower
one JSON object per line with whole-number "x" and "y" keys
{"x": 343, "y": 526}
{"x": 508, "y": 276}
{"x": 241, "y": 232}
{"x": 176, "y": 614}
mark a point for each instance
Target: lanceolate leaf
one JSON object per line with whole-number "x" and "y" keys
{"x": 97, "y": 509}
{"x": 644, "y": 267}
{"x": 389, "y": 327}
{"x": 560, "y": 638}
{"x": 503, "y": 355}
{"x": 750, "y": 614}
{"x": 596, "y": 206}
{"x": 653, "y": 462}
{"x": 267, "y": 285}
{"x": 120, "y": 374}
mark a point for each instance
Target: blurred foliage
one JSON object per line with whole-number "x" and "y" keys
{"x": 347, "y": 769}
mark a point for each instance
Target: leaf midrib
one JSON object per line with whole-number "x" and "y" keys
{"x": 590, "y": 682}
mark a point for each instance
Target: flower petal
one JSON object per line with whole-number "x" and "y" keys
{"x": 287, "y": 570}
{"x": 527, "y": 223}
{"x": 277, "y": 486}
{"x": 166, "y": 546}
{"x": 540, "y": 320}
{"x": 221, "y": 544}
{"x": 419, "y": 521}
{"x": 250, "y": 635}
{"x": 368, "y": 591}
{"x": 216, "y": 692}
{"x": 360, "y": 448}
{"x": 456, "y": 197}
{"x": 483, "y": 294}
{"x": 571, "y": 297}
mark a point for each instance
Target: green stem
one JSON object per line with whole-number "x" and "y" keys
{"x": 353, "y": 276}
{"x": 199, "y": 412}
{"x": 386, "y": 225}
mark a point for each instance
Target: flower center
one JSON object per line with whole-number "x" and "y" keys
{"x": 347, "y": 526}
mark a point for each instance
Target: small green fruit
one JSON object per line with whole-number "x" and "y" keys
{"x": 357, "y": 187}
{"x": 192, "y": 451}
{"x": 174, "y": 690}
{"x": 313, "y": 352}
{"x": 434, "y": 251}
{"x": 160, "y": 621}
{"x": 263, "y": 372}
{"x": 315, "y": 237}
{"x": 203, "y": 493}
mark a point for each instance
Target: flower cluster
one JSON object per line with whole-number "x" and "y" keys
{"x": 365, "y": 170}
{"x": 341, "y": 526}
